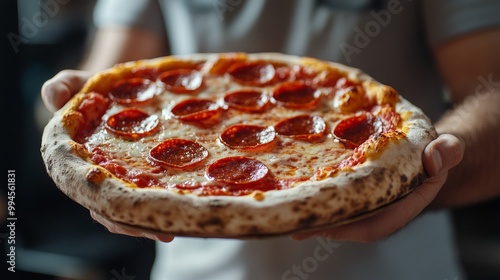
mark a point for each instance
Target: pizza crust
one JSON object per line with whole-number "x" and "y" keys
{"x": 369, "y": 186}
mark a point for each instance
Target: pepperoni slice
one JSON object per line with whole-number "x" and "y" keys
{"x": 237, "y": 170}
{"x": 302, "y": 127}
{"x": 247, "y": 136}
{"x": 182, "y": 80}
{"x": 353, "y": 131}
{"x": 178, "y": 153}
{"x": 256, "y": 73}
{"x": 195, "y": 110}
{"x": 132, "y": 123}
{"x": 296, "y": 95}
{"x": 133, "y": 91}
{"x": 248, "y": 100}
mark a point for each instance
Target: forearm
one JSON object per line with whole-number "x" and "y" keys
{"x": 476, "y": 121}
{"x": 120, "y": 44}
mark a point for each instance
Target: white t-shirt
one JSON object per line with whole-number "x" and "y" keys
{"x": 388, "y": 39}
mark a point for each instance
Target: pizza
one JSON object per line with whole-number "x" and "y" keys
{"x": 235, "y": 145}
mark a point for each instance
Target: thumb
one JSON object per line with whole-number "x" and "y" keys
{"x": 58, "y": 90}
{"x": 442, "y": 154}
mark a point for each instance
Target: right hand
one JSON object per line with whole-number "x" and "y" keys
{"x": 55, "y": 93}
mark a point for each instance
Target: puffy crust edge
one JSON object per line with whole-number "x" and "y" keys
{"x": 347, "y": 196}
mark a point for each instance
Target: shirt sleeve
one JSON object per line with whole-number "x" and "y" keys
{"x": 145, "y": 14}
{"x": 447, "y": 19}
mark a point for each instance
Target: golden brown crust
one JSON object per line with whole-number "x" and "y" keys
{"x": 393, "y": 169}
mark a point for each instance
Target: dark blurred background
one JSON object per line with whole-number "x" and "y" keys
{"x": 55, "y": 237}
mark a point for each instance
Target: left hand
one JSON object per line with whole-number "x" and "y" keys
{"x": 439, "y": 157}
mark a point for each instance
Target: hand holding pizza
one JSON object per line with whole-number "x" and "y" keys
{"x": 55, "y": 93}
{"x": 58, "y": 90}
{"x": 439, "y": 157}
{"x": 361, "y": 119}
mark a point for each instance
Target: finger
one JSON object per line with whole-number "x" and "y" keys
{"x": 115, "y": 228}
{"x": 58, "y": 90}
{"x": 439, "y": 156}
{"x": 443, "y": 154}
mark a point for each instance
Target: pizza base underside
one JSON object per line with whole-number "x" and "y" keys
{"x": 348, "y": 220}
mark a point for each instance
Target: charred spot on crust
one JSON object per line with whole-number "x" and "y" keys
{"x": 308, "y": 220}
{"x": 167, "y": 213}
{"x": 339, "y": 212}
{"x": 404, "y": 178}
{"x": 168, "y": 223}
{"x": 354, "y": 203}
{"x": 253, "y": 230}
{"x": 50, "y": 164}
{"x": 418, "y": 180}
{"x": 333, "y": 195}
{"x": 135, "y": 204}
{"x": 121, "y": 189}
{"x": 215, "y": 221}
{"x": 216, "y": 203}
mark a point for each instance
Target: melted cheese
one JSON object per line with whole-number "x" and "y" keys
{"x": 288, "y": 159}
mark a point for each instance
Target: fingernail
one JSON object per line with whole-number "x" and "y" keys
{"x": 438, "y": 161}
